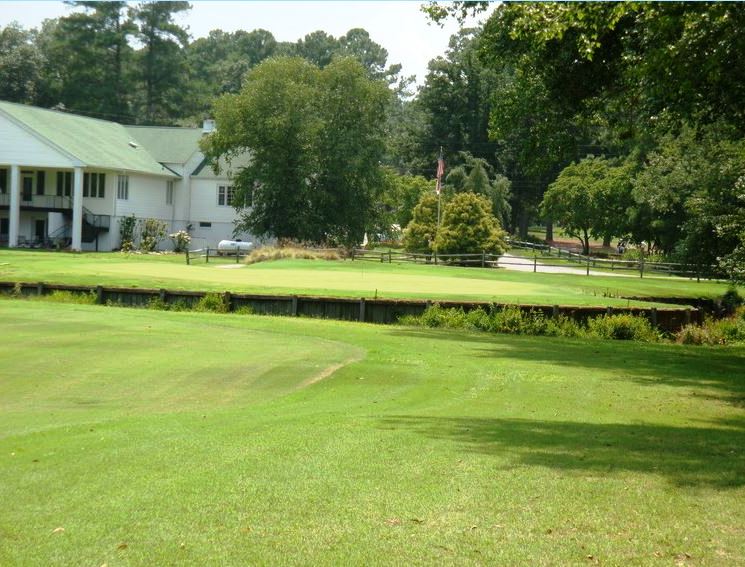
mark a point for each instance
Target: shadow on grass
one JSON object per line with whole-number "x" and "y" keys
{"x": 720, "y": 370}
{"x": 687, "y": 456}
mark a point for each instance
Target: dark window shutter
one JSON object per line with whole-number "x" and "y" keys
{"x": 101, "y": 185}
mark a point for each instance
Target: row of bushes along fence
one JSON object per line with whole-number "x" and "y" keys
{"x": 383, "y": 311}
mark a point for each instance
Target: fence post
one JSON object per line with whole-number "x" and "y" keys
{"x": 609, "y": 310}
{"x": 555, "y": 311}
{"x": 641, "y": 267}
{"x": 362, "y": 309}
{"x": 483, "y": 258}
{"x": 698, "y": 273}
{"x": 40, "y": 289}
{"x": 535, "y": 264}
{"x": 588, "y": 265}
{"x": 653, "y": 316}
{"x": 294, "y": 306}
{"x": 187, "y": 257}
{"x": 389, "y": 256}
{"x": 237, "y": 256}
{"x": 99, "y": 294}
{"x": 162, "y": 295}
{"x": 688, "y": 316}
{"x": 207, "y": 257}
{"x": 227, "y": 298}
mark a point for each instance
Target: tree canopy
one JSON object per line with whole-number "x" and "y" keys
{"x": 315, "y": 138}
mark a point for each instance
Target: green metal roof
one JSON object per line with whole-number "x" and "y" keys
{"x": 167, "y": 144}
{"x": 95, "y": 143}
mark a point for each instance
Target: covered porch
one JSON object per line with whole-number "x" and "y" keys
{"x": 44, "y": 207}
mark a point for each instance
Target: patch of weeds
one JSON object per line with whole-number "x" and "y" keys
{"x": 211, "y": 302}
{"x": 623, "y": 327}
{"x": 61, "y": 296}
{"x": 157, "y": 304}
{"x": 516, "y": 321}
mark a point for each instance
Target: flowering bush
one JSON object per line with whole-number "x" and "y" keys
{"x": 181, "y": 240}
{"x": 152, "y": 232}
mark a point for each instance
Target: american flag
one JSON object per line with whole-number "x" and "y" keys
{"x": 440, "y": 172}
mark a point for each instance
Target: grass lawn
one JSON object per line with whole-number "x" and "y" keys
{"x": 159, "y": 438}
{"x": 343, "y": 278}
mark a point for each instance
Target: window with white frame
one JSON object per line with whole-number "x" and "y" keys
{"x": 169, "y": 192}
{"x": 225, "y": 195}
{"x": 94, "y": 185}
{"x": 122, "y": 187}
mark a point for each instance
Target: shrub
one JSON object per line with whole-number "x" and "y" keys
{"x": 181, "y": 240}
{"x": 516, "y": 321}
{"x": 213, "y": 302}
{"x": 731, "y": 300}
{"x": 419, "y": 234}
{"x": 624, "y": 326}
{"x": 698, "y": 335}
{"x": 715, "y": 331}
{"x": 158, "y": 304}
{"x": 152, "y": 231}
{"x": 468, "y": 227}
{"x": 127, "y": 232}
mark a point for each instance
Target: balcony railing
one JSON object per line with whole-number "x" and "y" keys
{"x": 39, "y": 202}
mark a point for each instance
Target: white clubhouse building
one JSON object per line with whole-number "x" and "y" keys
{"x": 68, "y": 180}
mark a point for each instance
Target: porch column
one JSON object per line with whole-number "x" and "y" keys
{"x": 15, "y": 205}
{"x": 77, "y": 209}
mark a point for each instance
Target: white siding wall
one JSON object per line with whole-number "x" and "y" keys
{"x": 18, "y": 146}
{"x": 147, "y": 199}
{"x": 204, "y": 208}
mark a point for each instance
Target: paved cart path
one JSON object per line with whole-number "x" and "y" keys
{"x": 522, "y": 264}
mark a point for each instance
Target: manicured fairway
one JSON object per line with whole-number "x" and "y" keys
{"x": 159, "y": 438}
{"x": 344, "y": 278}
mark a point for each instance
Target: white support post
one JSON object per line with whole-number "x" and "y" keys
{"x": 15, "y": 205}
{"x": 77, "y": 209}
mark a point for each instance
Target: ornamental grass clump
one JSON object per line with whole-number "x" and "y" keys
{"x": 270, "y": 253}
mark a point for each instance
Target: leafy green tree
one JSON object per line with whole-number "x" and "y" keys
{"x": 20, "y": 64}
{"x": 455, "y": 98}
{"x": 315, "y": 137}
{"x": 348, "y": 149}
{"x": 219, "y": 62}
{"x": 401, "y": 193}
{"x": 589, "y": 198}
{"x": 420, "y": 233}
{"x": 468, "y": 227}
{"x": 692, "y": 186}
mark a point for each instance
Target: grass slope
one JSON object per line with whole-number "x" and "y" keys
{"x": 186, "y": 438}
{"x": 344, "y": 278}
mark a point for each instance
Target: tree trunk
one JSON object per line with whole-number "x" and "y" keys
{"x": 523, "y": 222}
{"x": 606, "y": 241}
{"x": 586, "y": 243}
{"x": 549, "y": 231}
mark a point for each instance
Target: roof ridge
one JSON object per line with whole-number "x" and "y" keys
{"x": 60, "y": 112}
{"x": 162, "y": 127}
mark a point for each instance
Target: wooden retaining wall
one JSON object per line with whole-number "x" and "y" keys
{"x": 383, "y": 311}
